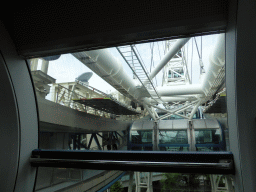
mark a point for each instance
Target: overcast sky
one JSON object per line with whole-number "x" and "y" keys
{"x": 67, "y": 67}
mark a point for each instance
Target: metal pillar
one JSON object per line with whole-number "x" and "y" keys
{"x": 97, "y": 141}
{"x": 192, "y": 141}
{"x": 155, "y": 138}
{"x": 145, "y": 182}
{"x": 45, "y": 65}
{"x": 71, "y": 94}
{"x": 130, "y": 181}
{"x": 34, "y": 64}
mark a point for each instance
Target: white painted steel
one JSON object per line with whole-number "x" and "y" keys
{"x": 34, "y": 64}
{"x": 45, "y": 65}
{"x": 143, "y": 182}
{"x": 205, "y": 124}
{"x": 175, "y": 99}
{"x": 217, "y": 61}
{"x": 111, "y": 70}
{"x": 108, "y": 68}
{"x": 175, "y": 48}
{"x": 150, "y": 112}
{"x": 194, "y": 109}
{"x": 180, "y": 90}
{"x": 130, "y": 181}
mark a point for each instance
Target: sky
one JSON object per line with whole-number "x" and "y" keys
{"x": 67, "y": 67}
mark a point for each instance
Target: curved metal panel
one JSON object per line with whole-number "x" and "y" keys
{"x": 9, "y": 131}
{"x": 25, "y": 112}
{"x": 148, "y": 125}
{"x": 166, "y": 124}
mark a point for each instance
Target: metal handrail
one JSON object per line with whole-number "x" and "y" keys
{"x": 223, "y": 166}
{"x": 149, "y": 161}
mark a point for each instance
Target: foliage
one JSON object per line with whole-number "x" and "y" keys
{"x": 171, "y": 182}
{"x": 116, "y": 187}
{"x": 177, "y": 182}
{"x": 193, "y": 181}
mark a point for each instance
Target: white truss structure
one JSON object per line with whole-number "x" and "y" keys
{"x": 143, "y": 180}
{"x": 221, "y": 183}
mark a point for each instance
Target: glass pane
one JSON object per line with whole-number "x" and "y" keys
{"x": 142, "y": 137}
{"x": 208, "y": 136}
{"x": 141, "y": 141}
{"x": 173, "y": 141}
{"x": 103, "y": 100}
{"x": 173, "y": 137}
{"x": 209, "y": 140}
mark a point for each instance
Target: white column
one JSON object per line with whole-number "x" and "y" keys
{"x": 34, "y": 64}
{"x": 130, "y": 182}
{"x": 45, "y": 65}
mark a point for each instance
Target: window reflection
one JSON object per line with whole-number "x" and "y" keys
{"x": 141, "y": 141}
{"x": 208, "y": 136}
{"x": 173, "y": 141}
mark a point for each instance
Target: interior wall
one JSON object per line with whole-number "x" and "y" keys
{"x": 18, "y": 119}
{"x": 240, "y": 82}
{"x": 9, "y": 130}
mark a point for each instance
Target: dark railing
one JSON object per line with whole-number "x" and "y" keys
{"x": 147, "y": 161}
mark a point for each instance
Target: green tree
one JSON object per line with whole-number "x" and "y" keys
{"x": 193, "y": 181}
{"x": 116, "y": 187}
{"x": 171, "y": 182}
{"x": 177, "y": 182}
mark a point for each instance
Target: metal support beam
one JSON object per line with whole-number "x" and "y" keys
{"x": 150, "y": 112}
{"x": 78, "y": 141}
{"x": 176, "y": 47}
{"x": 34, "y": 64}
{"x": 130, "y": 181}
{"x": 155, "y": 133}
{"x": 119, "y": 134}
{"x": 192, "y": 141}
{"x": 74, "y": 142}
{"x": 143, "y": 182}
{"x": 99, "y": 135}
{"x": 117, "y": 140}
{"x": 97, "y": 141}
{"x": 225, "y": 179}
{"x": 195, "y": 109}
{"x": 90, "y": 142}
{"x": 45, "y": 65}
{"x": 176, "y": 111}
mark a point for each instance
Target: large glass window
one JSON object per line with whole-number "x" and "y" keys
{"x": 104, "y": 100}
{"x": 173, "y": 137}
{"x": 208, "y": 136}
{"x": 141, "y": 137}
{"x": 173, "y": 140}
